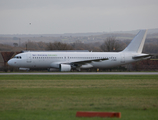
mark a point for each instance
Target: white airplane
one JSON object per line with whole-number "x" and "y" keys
{"x": 66, "y": 61}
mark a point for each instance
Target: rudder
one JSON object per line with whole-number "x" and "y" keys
{"x": 137, "y": 43}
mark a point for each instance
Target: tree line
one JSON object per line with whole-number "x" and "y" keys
{"x": 110, "y": 44}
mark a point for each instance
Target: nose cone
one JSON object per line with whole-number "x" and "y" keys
{"x": 11, "y": 62}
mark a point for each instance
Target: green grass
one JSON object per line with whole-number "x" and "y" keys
{"x": 47, "y": 97}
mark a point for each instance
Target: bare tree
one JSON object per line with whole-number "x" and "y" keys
{"x": 58, "y": 46}
{"x": 15, "y": 44}
{"x": 111, "y": 44}
{"x": 78, "y": 45}
{"x": 30, "y": 45}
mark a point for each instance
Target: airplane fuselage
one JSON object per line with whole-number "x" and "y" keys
{"x": 53, "y": 59}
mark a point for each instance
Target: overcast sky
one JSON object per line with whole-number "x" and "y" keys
{"x": 76, "y": 16}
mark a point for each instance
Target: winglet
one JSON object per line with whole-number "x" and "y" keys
{"x": 137, "y": 43}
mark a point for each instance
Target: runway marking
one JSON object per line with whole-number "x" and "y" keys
{"x": 83, "y": 73}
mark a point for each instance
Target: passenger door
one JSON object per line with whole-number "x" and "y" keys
{"x": 29, "y": 58}
{"x": 122, "y": 58}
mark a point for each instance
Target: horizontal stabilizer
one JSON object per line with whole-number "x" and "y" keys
{"x": 141, "y": 56}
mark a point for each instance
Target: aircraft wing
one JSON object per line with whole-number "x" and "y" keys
{"x": 85, "y": 62}
{"x": 89, "y": 61}
{"x": 77, "y": 63}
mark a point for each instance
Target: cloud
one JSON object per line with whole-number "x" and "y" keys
{"x": 63, "y": 16}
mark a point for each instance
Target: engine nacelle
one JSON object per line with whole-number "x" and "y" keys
{"x": 65, "y": 68}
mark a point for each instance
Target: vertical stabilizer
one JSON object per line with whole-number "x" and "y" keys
{"x": 137, "y": 43}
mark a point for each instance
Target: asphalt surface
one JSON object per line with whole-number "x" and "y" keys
{"x": 82, "y": 73}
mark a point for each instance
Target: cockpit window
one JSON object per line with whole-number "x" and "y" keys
{"x": 17, "y": 57}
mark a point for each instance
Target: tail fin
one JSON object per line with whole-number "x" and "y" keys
{"x": 137, "y": 43}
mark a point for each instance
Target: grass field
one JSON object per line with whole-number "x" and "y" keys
{"x": 52, "y": 97}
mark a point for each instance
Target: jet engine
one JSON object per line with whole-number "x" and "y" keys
{"x": 65, "y": 67}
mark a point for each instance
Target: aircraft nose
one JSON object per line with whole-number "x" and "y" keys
{"x": 11, "y": 62}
